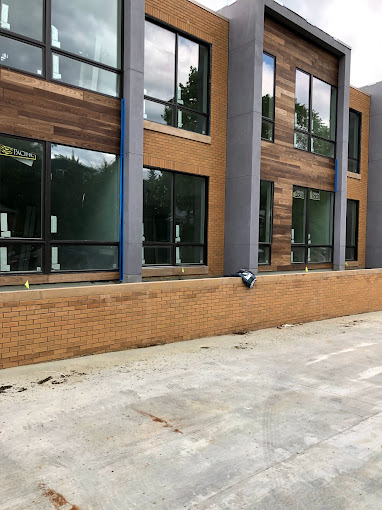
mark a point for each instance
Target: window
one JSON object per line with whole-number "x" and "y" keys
{"x": 176, "y": 79}
{"x": 315, "y": 115}
{"x": 72, "y": 225}
{"x": 174, "y": 218}
{"x": 265, "y": 222}
{"x": 352, "y": 230}
{"x": 268, "y": 98}
{"x": 312, "y": 226}
{"x": 355, "y": 119}
{"x": 79, "y": 45}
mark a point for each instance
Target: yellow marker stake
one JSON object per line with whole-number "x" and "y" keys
{"x": 182, "y": 269}
{"x": 306, "y": 269}
{"x": 27, "y": 284}
{"x": 346, "y": 264}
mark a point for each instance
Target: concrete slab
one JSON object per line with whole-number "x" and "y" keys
{"x": 277, "y": 419}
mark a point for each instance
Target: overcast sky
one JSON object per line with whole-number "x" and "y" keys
{"x": 355, "y": 22}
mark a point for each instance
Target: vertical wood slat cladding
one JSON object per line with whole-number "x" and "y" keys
{"x": 280, "y": 161}
{"x": 35, "y": 108}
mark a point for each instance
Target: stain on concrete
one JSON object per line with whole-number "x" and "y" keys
{"x": 57, "y": 500}
{"x": 158, "y": 420}
{"x": 3, "y": 389}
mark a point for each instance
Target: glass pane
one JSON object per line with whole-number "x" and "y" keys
{"x": 321, "y": 217}
{"x": 354, "y": 138}
{"x": 21, "y": 164}
{"x": 268, "y": 86}
{"x": 192, "y": 75}
{"x": 265, "y": 218}
{"x": 189, "y": 255}
{"x": 89, "y": 29}
{"x": 157, "y": 256}
{"x": 159, "y": 62}
{"x": 192, "y": 122}
{"x": 351, "y": 254}
{"x": 190, "y": 204}
{"x": 267, "y": 131}
{"x": 157, "y": 112}
{"x": 157, "y": 206}
{"x": 301, "y": 141}
{"x": 319, "y": 255}
{"x": 353, "y": 166}
{"x": 298, "y": 215}
{"x": 264, "y": 254}
{"x": 85, "y": 76}
{"x": 351, "y": 223}
{"x": 85, "y": 195}
{"x": 20, "y": 257}
{"x": 298, "y": 255}
{"x": 84, "y": 258}
{"x": 301, "y": 115}
{"x": 21, "y": 56}
{"x": 22, "y": 17}
{"x": 322, "y": 147}
{"x": 324, "y": 109}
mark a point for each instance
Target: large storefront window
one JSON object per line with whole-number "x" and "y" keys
{"x": 79, "y": 229}
{"x": 265, "y": 222}
{"x": 312, "y": 226}
{"x": 176, "y": 79}
{"x": 315, "y": 115}
{"x": 174, "y": 218}
{"x": 83, "y": 46}
{"x": 352, "y": 230}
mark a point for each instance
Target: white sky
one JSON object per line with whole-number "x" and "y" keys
{"x": 355, "y": 22}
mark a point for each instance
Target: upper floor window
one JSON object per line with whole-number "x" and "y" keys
{"x": 176, "y": 79}
{"x": 354, "y": 141}
{"x": 79, "y": 45}
{"x": 268, "y": 98}
{"x": 315, "y": 115}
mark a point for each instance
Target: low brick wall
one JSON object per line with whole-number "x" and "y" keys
{"x": 50, "y": 324}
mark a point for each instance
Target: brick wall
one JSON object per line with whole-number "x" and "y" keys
{"x": 357, "y": 183}
{"x": 176, "y": 153}
{"x": 50, "y": 324}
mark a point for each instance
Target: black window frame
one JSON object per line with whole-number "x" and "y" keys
{"x": 48, "y": 51}
{"x": 173, "y": 244}
{"x": 175, "y": 106}
{"x": 307, "y": 244}
{"x": 46, "y": 241}
{"x": 353, "y": 247}
{"x": 359, "y": 115}
{"x": 269, "y": 245}
{"x": 309, "y": 132}
{"x": 263, "y": 117}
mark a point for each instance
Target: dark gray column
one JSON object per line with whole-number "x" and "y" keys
{"x": 244, "y": 134}
{"x": 133, "y": 67}
{"x": 342, "y": 162}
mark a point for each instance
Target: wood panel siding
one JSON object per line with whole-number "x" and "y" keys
{"x": 38, "y": 109}
{"x": 280, "y": 161}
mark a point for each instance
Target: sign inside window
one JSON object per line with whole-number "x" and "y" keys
{"x": 314, "y": 195}
{"x": 298, "y": 193}
{"x": 16, "y": 153}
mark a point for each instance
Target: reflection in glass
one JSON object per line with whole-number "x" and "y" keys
{"x": 157, "y": 112}
{"x": 301, "y": 141}
{"x": 351, "y": 229}
{"x": 354, "y": 141}
{"x": 298, "y": 254}
{"x": 192, "y": 122}
{"x": 84, "y": 258}
{"x": 190, "y": 202}
{"x": 268, "y": 86}
{"x": 86, "y": 76}
{"x": 301, "y": 116}
{"x": 323, "y": 147}
{"x": 319, "y": 255}
{"x": 267, "y": 130}
{"x": 264, "y": 254}
{"x": 321, "y": 210}
{"x": 157, "y": 256}
{"x": 15, "y": 258}
{"x": 324, "y": 109}
{"x": 190, "y": 255}
{"x": 298, "y": 215}
{"x": 159, "y": 62}
{"x": 88, "y": 29}
{"x": 21, "y": 164}
{"x": 192, "y": 75}
{"x": 265, "y": 217}
{"x": 157, "y": 206}
{"x": 18, "y": 55}
{"x": 21, "y": 17}
{"x": 85, "y": 195}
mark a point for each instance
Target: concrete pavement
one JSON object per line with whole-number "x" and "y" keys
{"x": 278, "y": 419}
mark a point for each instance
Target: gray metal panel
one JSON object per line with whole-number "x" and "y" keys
{"x": 133, "y": 85}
